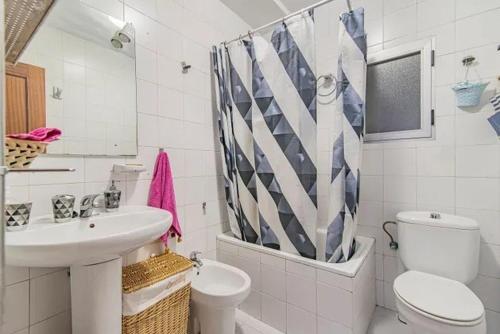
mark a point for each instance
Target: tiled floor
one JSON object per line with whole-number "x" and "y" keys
{"x": 384, "y": 322}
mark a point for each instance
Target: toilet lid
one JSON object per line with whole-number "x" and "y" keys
{"x": 441, "y": 297}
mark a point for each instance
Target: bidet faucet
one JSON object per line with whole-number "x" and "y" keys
{"x": 196, "y": 260}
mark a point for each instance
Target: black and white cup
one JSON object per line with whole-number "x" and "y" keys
{"x": 17, "y": 216}
{"x": 62, "y": 206}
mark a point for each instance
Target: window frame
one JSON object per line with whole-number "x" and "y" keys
{"x": 426, "y": 50}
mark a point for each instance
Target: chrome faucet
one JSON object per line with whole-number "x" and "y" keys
{"x": 87, "y": 205}
{"x": 196, "y": 260}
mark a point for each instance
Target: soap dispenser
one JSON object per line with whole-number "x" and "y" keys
{"x": 112, "y": 197}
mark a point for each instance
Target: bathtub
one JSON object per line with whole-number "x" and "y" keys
{"x": 308, "y": 296}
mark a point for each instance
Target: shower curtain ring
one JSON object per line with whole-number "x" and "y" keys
{"x": 240, "y": 41}
{"x": 250, "y": 34}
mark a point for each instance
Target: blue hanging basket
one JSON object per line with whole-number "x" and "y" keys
{"x": 469, "y": 94}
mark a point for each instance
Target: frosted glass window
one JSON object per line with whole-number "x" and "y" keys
{"x": 398, "y": 93}
{"x": 393, "y": 95}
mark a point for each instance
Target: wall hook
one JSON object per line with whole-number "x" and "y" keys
{"x": 57, "y": 93}
{"x": 185, "y": 67}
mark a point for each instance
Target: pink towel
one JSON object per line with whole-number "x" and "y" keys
{"x": 162, "y": 195}
{"x": 41, "y": 134}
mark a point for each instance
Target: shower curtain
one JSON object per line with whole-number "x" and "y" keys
{"x": 266, "y": 103}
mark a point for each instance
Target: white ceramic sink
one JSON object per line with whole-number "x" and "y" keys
{"x": 92, "y": 248}
{"x": 85, "y": 241}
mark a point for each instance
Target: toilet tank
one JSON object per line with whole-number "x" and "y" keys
{"x": 439, "y": 244}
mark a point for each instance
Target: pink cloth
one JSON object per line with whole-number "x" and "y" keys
{"x": 41, "y": 134}
{"x": 162, "y": 195}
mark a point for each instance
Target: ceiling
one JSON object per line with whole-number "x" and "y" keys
{"x": 260, "y": 12}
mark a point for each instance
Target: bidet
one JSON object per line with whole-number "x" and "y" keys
{"x": 216, "y": 292}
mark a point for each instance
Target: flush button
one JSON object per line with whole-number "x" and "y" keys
{"x": 435, "y": 215}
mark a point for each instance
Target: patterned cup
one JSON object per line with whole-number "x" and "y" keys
{"x": 112, "y": 200}
{"x": 62, "y": 206}
{"x": 17, "y": 216}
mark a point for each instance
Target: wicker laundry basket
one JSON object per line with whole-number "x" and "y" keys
{"x": 169, "y": 315}
{"x": 21, "y": 153}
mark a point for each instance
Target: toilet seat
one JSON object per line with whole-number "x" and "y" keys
{"x": 439, "y": 298}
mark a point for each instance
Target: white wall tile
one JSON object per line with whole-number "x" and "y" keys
{"x": 372, "y": 189}
{"x": 303, "y": 297}
{"x": 299, "y": 321}
{"x": 327, "y": 327}
{"x": 273, "y": 261}
{"x": 113, "y": 8}
{"x": 389, "y": 297}
{"x": 400, "y": 23}
{"x": 391, "y": 6}
{"x": 474, "y": 129}
{"x": 489, "y": 264}
{"x": 436, "y": 161}
{"x": 335, "y": 304}
{"x": 444, "y": 39}
{"x": 371, "y": 213}
{"x": 402, "y": 189}
{"x": 60, "y": 324}
{"x": 147, "y": 97}
{"x": 273, "y": 312}
{"x": 147, "y": 67}
{"x": 477, "y": 30}
{"x": 274, "y": 282}
{"x": 252, "y": 268}
{"x": 49, "y": 294}
{"x": 445, "y": 70}
{"x": 436, "y": 191}
{"x": 400, "y": 162}
{"x": 478, "y": 161}
{"x": 477, "y": 193}
{"x": 488, "y": 290}
{"x": 252, "y": 305}
{"x": 373, "y": 162}
{"x": 15, "y": 274}
{"x": 488, "y": 223}
{"x": 466, "y": 8}
{"x": 16, "y": 307}
{"x": 300, "y": 269}
{"x": 432, "y": 13}
{"x": 392, "y": 268}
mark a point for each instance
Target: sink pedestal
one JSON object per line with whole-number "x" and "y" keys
{"x": 96, "y": 298}
{"x": 216, "y": 321}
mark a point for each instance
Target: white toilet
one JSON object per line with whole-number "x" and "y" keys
{"x": 441, "y": 254}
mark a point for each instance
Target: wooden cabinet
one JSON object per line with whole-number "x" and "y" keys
{"x": 25, "y": 98}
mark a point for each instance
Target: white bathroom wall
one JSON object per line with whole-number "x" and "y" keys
{"x": 458, "y": 171}
{"x": 174, "y": 113}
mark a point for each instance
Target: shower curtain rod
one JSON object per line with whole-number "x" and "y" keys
{"x": 318, "y": 4}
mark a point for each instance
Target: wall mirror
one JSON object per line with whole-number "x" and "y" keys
{"x": 77, "y": 74}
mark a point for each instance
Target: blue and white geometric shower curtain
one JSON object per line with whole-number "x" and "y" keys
{"x": 346, "y": 160}
{"x": 266, "y": 100}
